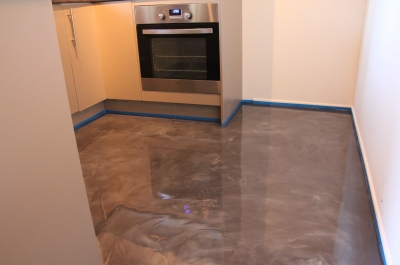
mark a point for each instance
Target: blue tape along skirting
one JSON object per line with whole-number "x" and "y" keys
{"x": 295, "y": 105}
{"x": 165, "y": 116}
{"x": 364, "y": 168}
{"x": 232, "y": 114}
{"x": 142, "y": 114}
{"x": 83, "y": 123}
{"x": 283, "y": 105}
{"x": 194, "y": 118}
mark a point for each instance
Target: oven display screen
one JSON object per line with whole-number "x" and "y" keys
{"x": 175, "y": 12}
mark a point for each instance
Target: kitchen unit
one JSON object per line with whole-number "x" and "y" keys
{"x": 112, "y": 73}
{"x": 179, "y": 48}
{"x": 76, "y": 26}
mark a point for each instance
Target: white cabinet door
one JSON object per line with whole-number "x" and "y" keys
{"x": 80, "y": 22}
{"x": 118, "y": 50}
{"x": 65, "y": 58}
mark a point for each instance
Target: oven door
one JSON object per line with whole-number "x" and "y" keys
{"x": 180, "y": 57}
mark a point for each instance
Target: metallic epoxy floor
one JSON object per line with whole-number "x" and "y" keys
{"x": 277, "y": 186}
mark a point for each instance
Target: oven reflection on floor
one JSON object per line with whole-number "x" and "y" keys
{"x": 276, "y": 186}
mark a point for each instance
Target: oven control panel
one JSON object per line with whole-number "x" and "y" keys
{"x": 176, "y": 13}
{"x": 186, "y": 13}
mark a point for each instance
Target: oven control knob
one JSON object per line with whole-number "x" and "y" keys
{"x": 161, "y": 16}
{"x": 188, "y": 15}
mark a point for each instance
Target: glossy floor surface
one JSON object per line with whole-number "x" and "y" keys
{"x": 276, "y": 186}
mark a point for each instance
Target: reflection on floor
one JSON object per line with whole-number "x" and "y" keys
{"x": 277, "y": 186}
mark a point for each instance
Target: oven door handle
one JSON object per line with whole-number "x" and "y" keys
{"x": 177, "y": 31}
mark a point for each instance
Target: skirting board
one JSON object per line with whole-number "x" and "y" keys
{"x": 232, "y": 114}
{"x": 381, "y": 237}
{"x": 89, "y": 120}
{"x": 284, "y": 105}
{"x": 384, "y": 248}
{"x": 144, "y": 107}
{"x": 165, "y": 116}
{"x": 208, "y": 119}
{"x": 225, "y": 123}
{"x": 296, "y": 105}
{"x": 142, "y": 114}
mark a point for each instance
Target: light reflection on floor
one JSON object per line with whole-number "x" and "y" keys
{"x": 276, "y": 186}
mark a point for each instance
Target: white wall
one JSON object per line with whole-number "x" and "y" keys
{"x": 377, "y": 112}
{"x": 302, "y": 51}
{"x": 44, "y": 212}
{"x": 230, "y": 26}
{"x": 258, "y": 28}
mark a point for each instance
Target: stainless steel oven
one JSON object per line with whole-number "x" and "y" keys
{"x": 179, "y": 48}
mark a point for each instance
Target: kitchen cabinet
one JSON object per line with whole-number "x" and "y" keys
{"x": 80, "y": 34}
{"x": 66, "y": 62}
{"x": 99, "y": 52}
{"x": 118, "y": 50}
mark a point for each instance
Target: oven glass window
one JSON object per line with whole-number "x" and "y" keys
{"x": 179, "y": 58}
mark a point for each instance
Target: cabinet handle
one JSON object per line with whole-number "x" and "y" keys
{"x": 71, "y": 18}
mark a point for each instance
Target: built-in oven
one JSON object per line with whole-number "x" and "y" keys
{"x": 179, "y": 48}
